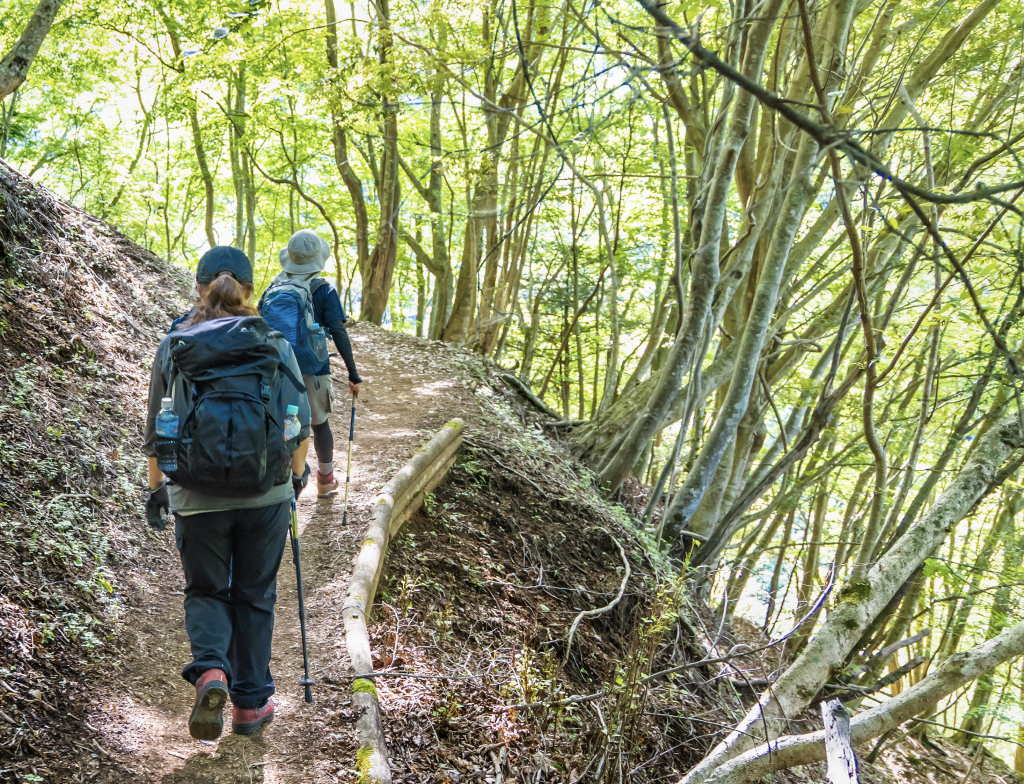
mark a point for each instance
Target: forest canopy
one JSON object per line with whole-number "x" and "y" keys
{"x": 761, "y": 263}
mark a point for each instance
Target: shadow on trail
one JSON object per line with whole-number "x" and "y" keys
{"x": 238, "y": 759}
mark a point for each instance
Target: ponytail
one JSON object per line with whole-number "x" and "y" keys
{"x": 225, "y": 296}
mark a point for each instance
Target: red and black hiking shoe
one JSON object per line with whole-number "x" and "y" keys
{"x": 326, "y": 485}
{"x": 246, "y": 721}
{"x": 207, "y": 719}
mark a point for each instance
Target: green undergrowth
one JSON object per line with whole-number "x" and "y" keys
{"x": 65, "y": 531}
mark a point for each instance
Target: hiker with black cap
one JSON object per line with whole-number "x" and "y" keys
{"x": 304, "y": 306}
{"x": 228, "y": 425}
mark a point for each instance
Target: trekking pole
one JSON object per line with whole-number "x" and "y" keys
{"x": 306, "y": 682}
{"x": 348, "y": 468}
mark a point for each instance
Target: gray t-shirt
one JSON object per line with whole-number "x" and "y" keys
{"x": 189, "y": 502}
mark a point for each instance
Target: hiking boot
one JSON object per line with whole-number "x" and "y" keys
{"x": 246, "y": 721}
{"x": 207, "y": 719}
{"x": 326, "y": 485}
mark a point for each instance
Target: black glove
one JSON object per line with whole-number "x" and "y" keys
{"x": 299, "y": 482}
{"x": 157, "y": 503}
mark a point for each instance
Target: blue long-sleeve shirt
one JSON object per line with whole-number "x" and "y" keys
{"x": 329, "y": 313}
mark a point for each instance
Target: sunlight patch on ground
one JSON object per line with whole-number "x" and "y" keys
{"x": 403, "y": 434}
{"x": 136, "y": 725}
{"x": 434, "y": 387}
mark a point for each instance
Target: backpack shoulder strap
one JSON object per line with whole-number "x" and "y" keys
{"x": 177, "y": 385}
{"x": 317, "y": 283}
{"x": 287, "y": 373}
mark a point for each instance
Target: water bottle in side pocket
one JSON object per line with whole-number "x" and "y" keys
{"x": 292, "y": 426}
{"x": 318, "y": 339}
{"x": 166, "y": 437}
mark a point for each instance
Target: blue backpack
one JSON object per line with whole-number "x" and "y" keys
{"x": 287, "y": 306}
{"x": 228, "y": 387}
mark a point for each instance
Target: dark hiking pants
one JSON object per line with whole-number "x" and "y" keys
{"x": 231, "y": 561}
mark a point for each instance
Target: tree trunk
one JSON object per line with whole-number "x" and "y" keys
{"x": 749, "y": 353}
{"x": 353, "y": 184}
{"x": 773, "y": 587}
{"x": 376, "y": 274}
{"x": 421, "y": 299}
{"x": 998, "y": 619}
{"x": 459, "y": 325}
{"x": 435, "y": 184}
{"x": 746, "y": 563}
{"x": 236, "y": 148}
{"x": 197, "y": 136}
{"x": 205, "y": 173}
{"x": 481, "y": 220}
{"x": 704, "y": 273}
{"x": 14, "y": 67}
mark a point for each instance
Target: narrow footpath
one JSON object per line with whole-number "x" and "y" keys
{"x": 412, "y": 388}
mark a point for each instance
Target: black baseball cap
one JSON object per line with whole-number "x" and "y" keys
{"x": 224, "y": 258}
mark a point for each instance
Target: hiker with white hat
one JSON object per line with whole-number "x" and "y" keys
{"x": 304, "y": 306}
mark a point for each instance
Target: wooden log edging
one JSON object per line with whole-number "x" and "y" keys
{"x": 395, "y": 504}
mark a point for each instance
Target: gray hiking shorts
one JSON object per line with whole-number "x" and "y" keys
{"x": 320, "y": 392}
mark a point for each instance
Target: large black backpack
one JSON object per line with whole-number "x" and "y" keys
{"x": 227, "y": 382}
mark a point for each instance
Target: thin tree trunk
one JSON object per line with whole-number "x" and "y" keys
{"x": 204, "y": 173}
{"x": 353, "y": 184}
{"x": 197, "y": 136}
{"x": 998, "y": 619}
{"x": 236, "y": 114}
{"x": 780, "y": 559}
{"x": 435, "y": 185}
{"x": 735, "y": 404}
{"x": 380, "y": 266}
{"x": 741, "y": 573}
{"x": 704, "y": 273}
{"x": 421, "y": 297}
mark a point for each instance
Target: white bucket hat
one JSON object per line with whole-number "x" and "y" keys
{"x": 306, "y": 253}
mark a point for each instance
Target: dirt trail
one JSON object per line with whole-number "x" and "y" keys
{"x": 412, "y": 389}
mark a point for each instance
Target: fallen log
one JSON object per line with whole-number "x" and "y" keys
{"x": 399, "y": 499}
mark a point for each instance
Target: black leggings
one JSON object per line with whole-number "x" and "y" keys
{"x": 323, "y": 442}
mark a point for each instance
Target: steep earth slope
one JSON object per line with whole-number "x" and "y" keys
{"x": 80, "y": 309}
